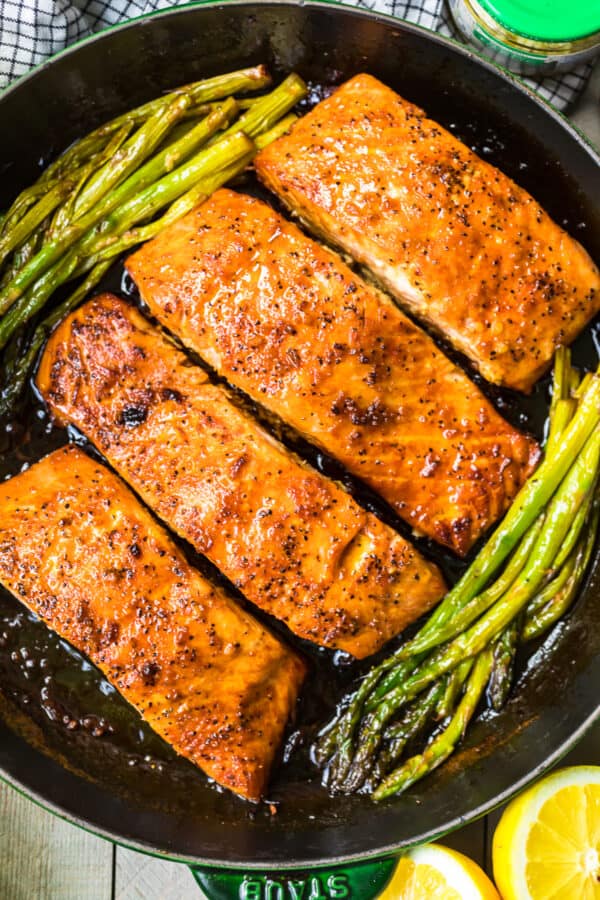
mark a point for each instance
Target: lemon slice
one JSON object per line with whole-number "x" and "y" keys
{"x": 433, "y": 872}
{"x": 547, "y": 843}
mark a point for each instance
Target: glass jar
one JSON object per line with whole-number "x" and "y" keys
{"x": 531, "y": 37}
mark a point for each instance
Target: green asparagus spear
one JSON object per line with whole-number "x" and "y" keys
{"x": 10, "y": 358}
{"x": 280, "y": 128}
{"x": 528, "y": 503}
{"x": 525, "y": 508}
{"x": 377, "y": 684}
{"x": 454, "y": 685}
{"x": 164, "y": 162}
{"x": 407, "y": 673}
{"x": 56, "y": 198}
{"x": 560, "y": 378}
{"x": 137, "y": 149}
{"x": 24, "y": 253}
{"x": 143, "y": 206}
{"x": 23, "y": 203}
{"x": 444, "y": 744}
{"x": 27, "y": 226}
{"x": 583, "y": 385}
{"x": 575, "y": 530}
{"x": 504, "y": 652}
{"x": 563, "y": 413}
{"x": 548, "y": 591}
{"x": 81, "y": 151}
{"x": 410, "y": 726}
{"x": 144, "y": 177}
{"x": 101, "y": 261}
{"x": 562, "y": 507}
{"x": 543, "y": 619}
{"x": 65, "y": 214}
{"x": 268, "y": 110}
{"x": 158, "y": 195}
{"x": 200, "y": 92}
{"x": 336, "y": 741}
{"x": 115, "y": 245}
{"x": 262, "y": 116}
{"x": 427, "y": 640}
{"x": 37, "y": 295}
{"x": 140, "y": 146}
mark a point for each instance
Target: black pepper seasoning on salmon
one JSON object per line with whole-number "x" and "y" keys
{"x": 207, "y": 677}
{"x": 372, "y": 388}
{"x": 292, "y": 541}
{"x": 456, "y": 241}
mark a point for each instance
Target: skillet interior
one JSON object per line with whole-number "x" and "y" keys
{"x": 127, "y": 784}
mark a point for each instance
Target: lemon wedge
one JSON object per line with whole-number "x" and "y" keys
{"x": 433, "y": 872}
{"x": 547, "y": 843}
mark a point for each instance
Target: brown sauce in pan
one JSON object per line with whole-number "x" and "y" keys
{"x": 84, "y": 721}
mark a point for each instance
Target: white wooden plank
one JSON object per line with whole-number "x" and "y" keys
{"x": 140, "y": 877}
{"x": 44, "y": 858}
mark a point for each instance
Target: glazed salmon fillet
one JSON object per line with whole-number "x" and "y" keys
{"x": 81, "y": 552}
{"x": 285, "y": 320}
{"x": 456, "y": 241}
{"x": 293, "y": 541}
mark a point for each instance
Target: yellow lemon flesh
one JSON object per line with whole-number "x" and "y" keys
{"x": 547, "y": 843}
{"x": 433, "y": 872}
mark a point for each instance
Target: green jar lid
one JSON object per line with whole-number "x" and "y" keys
{"x": 546, "y": 20}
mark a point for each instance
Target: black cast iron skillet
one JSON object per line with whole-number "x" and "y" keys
{"x": 69, "y": 742}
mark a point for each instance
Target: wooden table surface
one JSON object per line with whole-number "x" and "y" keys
{"x": 43, "y": 858}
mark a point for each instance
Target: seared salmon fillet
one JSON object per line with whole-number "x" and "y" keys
{"x": 293, "y": 541}
{"x": 456, "y": 241}
{"x": 81, "y": 552}
{"x": 285, "y": 320}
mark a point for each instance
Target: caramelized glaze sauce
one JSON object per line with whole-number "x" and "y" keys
{"x": 85, "y": 722}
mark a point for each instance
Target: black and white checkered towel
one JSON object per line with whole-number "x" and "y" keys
{"x": 32, "y": 30}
